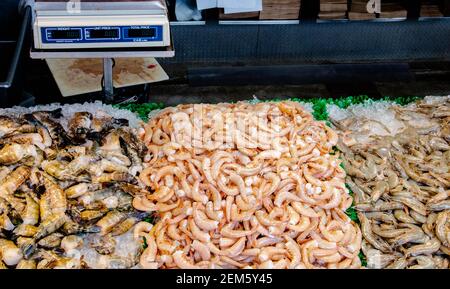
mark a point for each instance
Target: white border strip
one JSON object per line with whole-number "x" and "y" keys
{"x": 187, "y": 23}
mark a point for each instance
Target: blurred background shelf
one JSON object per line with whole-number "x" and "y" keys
{"x": 332, "y": 9}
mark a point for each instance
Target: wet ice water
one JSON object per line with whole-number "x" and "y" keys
{"x": 379, "y": 111}
{"x": 127, "y": 248}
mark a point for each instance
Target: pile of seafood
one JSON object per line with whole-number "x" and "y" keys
{"x": 244, "y": 186}
{"x": 62, "y": 197}
{"x": 399, "y": 173}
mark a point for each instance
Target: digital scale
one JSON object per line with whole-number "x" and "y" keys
{"x": 106, "y": 24}
{"x": 101, "y": 29}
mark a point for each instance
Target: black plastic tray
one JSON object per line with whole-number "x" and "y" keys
{"x": 12, "y": 56}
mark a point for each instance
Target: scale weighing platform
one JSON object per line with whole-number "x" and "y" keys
{"x": 101, "y": 29}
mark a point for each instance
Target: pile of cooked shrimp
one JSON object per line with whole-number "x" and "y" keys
{"x": 401, "y": 185}
{"x": 244, "y": 186}
{"x": 57, "y": 186}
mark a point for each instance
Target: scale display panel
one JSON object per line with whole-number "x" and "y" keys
{"x": 139, "y": 33}
{"x": 65, "y": 34}
{"x": 105, "y": 34}
{"x": 102, "y": 34}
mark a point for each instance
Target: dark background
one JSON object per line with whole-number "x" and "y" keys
{"x": 9, "y": 19}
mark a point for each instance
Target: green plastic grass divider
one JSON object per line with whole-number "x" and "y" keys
{"x": 319, "y": 104}
{"x": 142, "y": 110}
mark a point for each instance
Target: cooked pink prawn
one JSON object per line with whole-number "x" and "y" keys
{"x": 245, "y": 186}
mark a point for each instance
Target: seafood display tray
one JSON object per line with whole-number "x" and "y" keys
{"x": 94, "y": 187}
{"x": 12, "y": 54}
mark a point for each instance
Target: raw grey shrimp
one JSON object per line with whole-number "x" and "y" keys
{"x": 127, "y": 224}
{"x": 113, "y": 177}
{"x": 57, "y": 197}
{"x": 381, "y": 216}
{"x": 105, "y": 245}
{"x": 55, "y": 168}
{"x": 70, "y": 227}
{"x": 70, "y": 243}
{"x": 50, "y": 260}
{"x": 51, "y": 241}
{"x": 30, "y": 215}
{"x": 366, "y": 230}
{"x": 25, "y": 139}
{"x": 55, "y": 129}
{"x": 80, "y": 125}
{"x": 47, "y": 227}
{"x": 91, "y": 215}
{"x": 5, "y": 223}
{"x": 11, "y": 126}
{"x": 9, "y": 252}
{"x": 442, "y": 227}
{"x": 14, "y": 180}
{"x": 379, "y": 206}
{"x": 80, "y": 189}
{"x": 50, "y": 174}
{"x": 112, "y": 150}
{"x": 399, "y": 263}
{"x": 439, "y": 206}
{"x": 105, "y": 165}
{"x": 111, "y": 219}
{"x": 423, "y": 262}
{"x": 11, "y": 183}
{"x": 26, "y": 264}
{"x": 25, "y": 230}
{"x": 133, "y": 155}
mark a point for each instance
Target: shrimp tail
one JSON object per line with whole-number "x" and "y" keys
{"x": 28, "y": 248}
{"x": 140, "y": 215}
{"x": 90, "y": 230}
{"x": 121, "y": 122}
{"x": 95, "y": 136}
